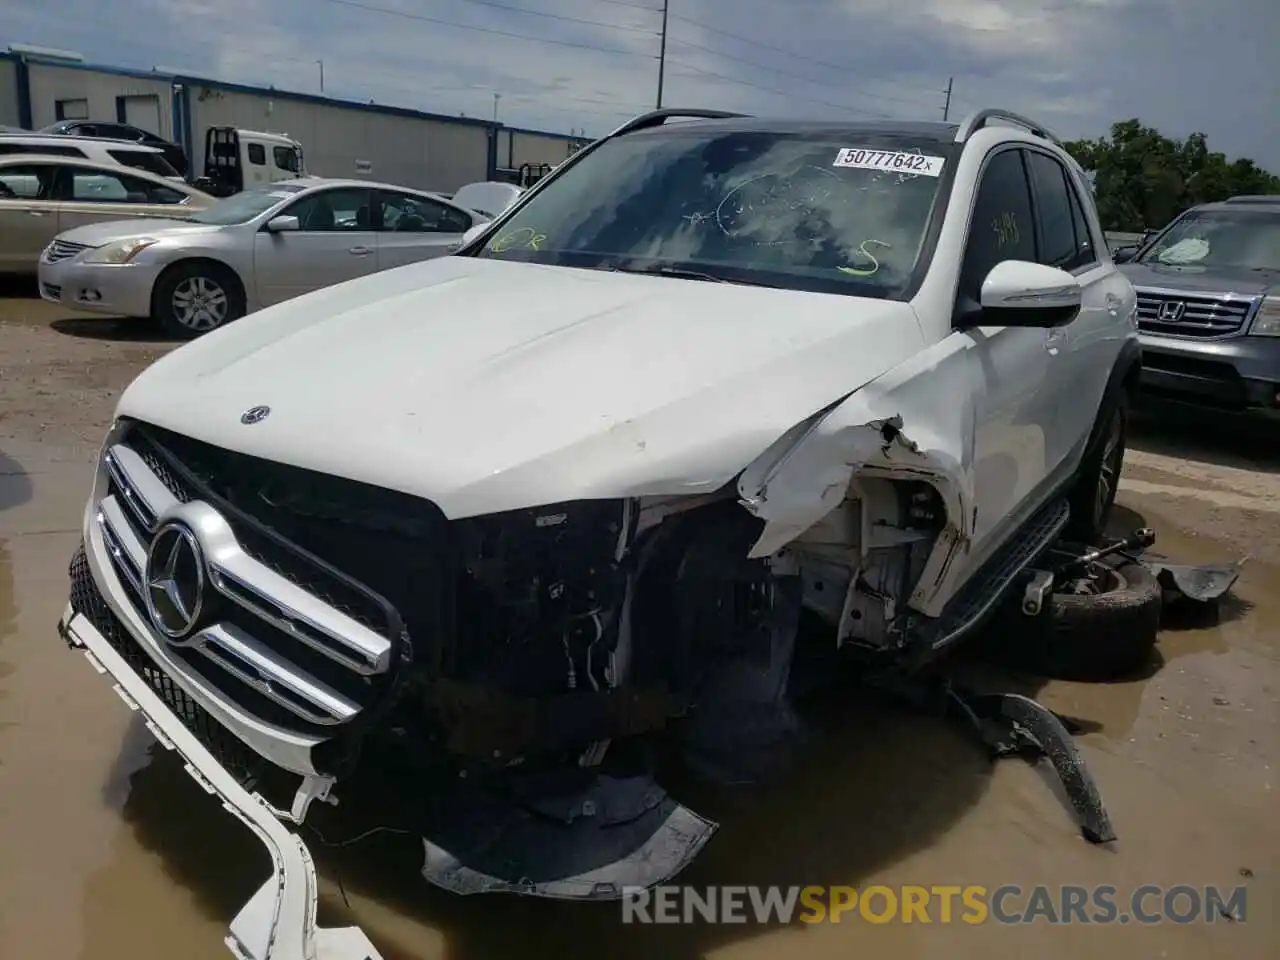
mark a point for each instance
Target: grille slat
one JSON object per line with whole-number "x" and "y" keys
{"x": 1188, "y": 315}
{"x": 269, "y": 642}
{"x": 61, "y": 250}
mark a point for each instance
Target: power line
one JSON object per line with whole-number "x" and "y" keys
{"x": 776, "y": 90}
{"x": 371, "y": 8}
{"x": 787, "y": 73}
{"x": 563, "y": 19}
{"x": 844, "y": 68}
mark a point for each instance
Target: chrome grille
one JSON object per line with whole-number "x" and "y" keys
{"x": 278, "y": 648}
{"x": 61, "y": 250}
{"x": 1185, "y": 315}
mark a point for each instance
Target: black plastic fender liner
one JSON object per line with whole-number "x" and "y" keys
{"x": 1034, "y": 725}
{"x": 567, "y": 837}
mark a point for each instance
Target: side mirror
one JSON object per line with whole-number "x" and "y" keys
{"x": 282, "y": 224}
{"x": 1017, "y": 293}
{"x": 474, "y": 231}
{"x": 1126, "y": 253}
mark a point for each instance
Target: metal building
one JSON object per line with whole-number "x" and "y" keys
{"x": 339, "y": 138}
{"x": 10, "y": 116}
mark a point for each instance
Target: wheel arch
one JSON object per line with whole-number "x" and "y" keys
{"x": 168, "y": 271}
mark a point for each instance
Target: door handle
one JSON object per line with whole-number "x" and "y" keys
{"x": 456, "y": 245}
{"x": 31, "y": 212}
{"x": 359, "y": 251}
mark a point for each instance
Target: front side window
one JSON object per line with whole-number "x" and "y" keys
{"x": 286, "y": 158}
{"x": 244, "y": 206}
{"x": 830, "y": 212}
{"x": 1002, "y": 228}
{"x": 1218, "y": 239}
{"x": 402, "y": 213}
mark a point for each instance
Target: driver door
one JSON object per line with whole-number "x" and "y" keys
{"x": 334, "y": 242}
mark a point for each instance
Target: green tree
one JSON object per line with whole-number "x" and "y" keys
{"x": 1143, "y": 179}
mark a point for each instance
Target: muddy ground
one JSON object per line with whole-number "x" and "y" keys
{"x": 108, "y": 851}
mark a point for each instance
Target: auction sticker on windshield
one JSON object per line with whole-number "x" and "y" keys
{"x": 893, "y": 161}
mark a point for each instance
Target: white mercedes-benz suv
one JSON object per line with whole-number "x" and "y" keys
{"x": 474, "y": 534}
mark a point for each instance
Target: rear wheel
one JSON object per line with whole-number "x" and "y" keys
{"x": 190, "y": 299}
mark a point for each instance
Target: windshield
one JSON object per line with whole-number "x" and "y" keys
{"x": 1240, "y": 239}
{"x": 826, "y": 213}
{"x": 243, "y": 207}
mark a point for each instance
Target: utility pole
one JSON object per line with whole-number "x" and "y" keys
{"x": 662, "y": 52}
{"x": 321, "y": 62}
{"x": 946, "y": 107}
{"x": 496, "y": 98}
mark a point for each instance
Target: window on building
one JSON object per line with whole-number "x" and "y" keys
{"x": 71, "y": 109}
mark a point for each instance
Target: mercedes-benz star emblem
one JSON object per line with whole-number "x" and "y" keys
{"x": 254, "y": 415}
{"x": 175, "y": 578}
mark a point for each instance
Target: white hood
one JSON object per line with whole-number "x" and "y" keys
{"x": 487, "y": 386}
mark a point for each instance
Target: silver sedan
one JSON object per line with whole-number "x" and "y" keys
{"x": 248, "y": 251}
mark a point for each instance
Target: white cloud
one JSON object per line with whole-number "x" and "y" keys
{"x": 1182, "y": 66}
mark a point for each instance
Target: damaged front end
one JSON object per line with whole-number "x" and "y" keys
{"x": 507, "y": 678}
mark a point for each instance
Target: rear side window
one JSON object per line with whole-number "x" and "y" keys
{"x": 257, "y": 155}
{"x": 1064, "y": 238}
{"x": 141, "y": 160}
{"x": 1002, "y": 227}
{"x": 12, "y": 148}
{"x": 102, "y": 187}
{"x": 1085, "y": 255}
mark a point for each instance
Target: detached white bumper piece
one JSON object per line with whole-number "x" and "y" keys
{"x": 279, "y": 921}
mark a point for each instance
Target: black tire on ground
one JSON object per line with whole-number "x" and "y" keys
{"x": 1094, "y": 492}
{"x": 1107, "y": 635}
{"x": 211, "y": 286}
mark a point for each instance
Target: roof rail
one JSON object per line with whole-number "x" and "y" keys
{"x": 655, "y": 118}
{"x": 979, "y": 118}
{"x": 1254, "y": 198}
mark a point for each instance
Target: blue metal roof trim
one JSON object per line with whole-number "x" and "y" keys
{"x": 567, "y": 137}
{"x": 298, "y": 96}
{"x": 36, "y": 60}
{"x": 332, "y": 101}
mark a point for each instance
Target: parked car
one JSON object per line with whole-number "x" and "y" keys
{"x": 497, "y": 522}
{"x": 42, "y": 196}
{"x": 113, "y": 130}
{"x": 1209, "y": 304}
{"x": 250, "y": 250}
{"x": 134, "y": 155}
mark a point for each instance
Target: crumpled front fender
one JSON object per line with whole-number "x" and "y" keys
{"x": 906, "y": 425}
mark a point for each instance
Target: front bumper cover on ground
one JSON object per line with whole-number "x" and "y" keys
{"x": 279, "y": 921}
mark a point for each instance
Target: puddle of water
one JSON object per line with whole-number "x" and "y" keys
{"x": 111, "y": 850}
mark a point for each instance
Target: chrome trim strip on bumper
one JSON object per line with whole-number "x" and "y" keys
{"x": 279, "y": 921}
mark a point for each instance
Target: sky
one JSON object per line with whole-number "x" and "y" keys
{"x": 586, "y": 65}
